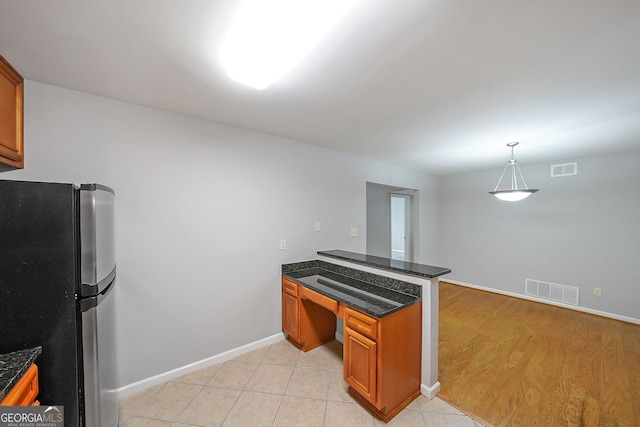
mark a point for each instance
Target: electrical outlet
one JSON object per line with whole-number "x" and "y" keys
{"x": 317, "y": 226}
{"x": 597, "y": 292}
{"x": 354, "y": 232}
{"x": 283, "y": 245}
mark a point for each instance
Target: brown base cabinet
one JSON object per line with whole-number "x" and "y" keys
{"x": 25, "y": 391}
{"x": 290, "y": 314}
{"x": 308, "y": 318}
{"x": 382, "y": 357}
{"x": 360, "y": 354}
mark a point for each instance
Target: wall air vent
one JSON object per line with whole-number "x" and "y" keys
{"x": 552, "y": 291}
{"x": 565, "y": 169}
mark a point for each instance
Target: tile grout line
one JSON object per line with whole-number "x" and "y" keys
{"x": 285, "y": 388}
{"x": 190, "y": 402}
{"x": 263, "y": 363}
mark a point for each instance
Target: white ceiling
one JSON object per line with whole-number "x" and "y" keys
{"x": 436, "y": 85}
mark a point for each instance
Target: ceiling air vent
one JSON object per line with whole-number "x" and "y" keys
{"x": 552, "y": 291}
{"x": 565, "y": 169}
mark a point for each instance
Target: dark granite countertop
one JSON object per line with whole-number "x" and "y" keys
{"x": 13, "y": 366}
{"x": 367, "y": 297}
{"x": 410, "y": 268}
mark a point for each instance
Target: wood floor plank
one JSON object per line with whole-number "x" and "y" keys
{"x": 621, "y": 348}
{"x": 512, "y": 362}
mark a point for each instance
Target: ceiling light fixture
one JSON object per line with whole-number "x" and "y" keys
{"x": 514, "y": 193}
{"x": 268, "y": 38}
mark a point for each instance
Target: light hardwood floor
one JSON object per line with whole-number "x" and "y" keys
{"x": 512, "y": 362}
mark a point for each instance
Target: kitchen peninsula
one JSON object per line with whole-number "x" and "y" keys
{"x": 389, "y": 309}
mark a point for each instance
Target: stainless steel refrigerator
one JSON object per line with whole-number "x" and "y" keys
{"x": 57, "y": 274}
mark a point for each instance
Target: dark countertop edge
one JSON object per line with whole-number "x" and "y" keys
{"x": 409, "y": 268}
{"x": 415, "y": 299}
{"x": 14, "y": 365}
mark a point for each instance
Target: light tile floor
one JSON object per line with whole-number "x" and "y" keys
{"x": 276, "y": 385}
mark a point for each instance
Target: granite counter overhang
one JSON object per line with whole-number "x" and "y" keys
{"x": 13, "y": 366}
{"x": 354, "y": 288}
{"x": 394, "y": 265}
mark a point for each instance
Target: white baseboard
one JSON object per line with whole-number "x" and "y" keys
{"x": 430, "y": 392}
{"x": 147, "y": 383}
{"x": 557, "y": 304}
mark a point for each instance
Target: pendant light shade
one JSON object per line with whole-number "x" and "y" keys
{"x": 514, "y": 193}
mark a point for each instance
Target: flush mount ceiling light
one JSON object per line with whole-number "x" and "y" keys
{"x": 514, "y": 193}
{"x": 267, "y": 38}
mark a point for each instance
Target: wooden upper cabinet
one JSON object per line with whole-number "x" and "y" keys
{"x": 11, "y": 115}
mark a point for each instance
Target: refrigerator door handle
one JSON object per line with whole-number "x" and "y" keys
{"x": 97, "y": 245}
{"x": 88, "y": 303}
{"x": 89, "y": 290}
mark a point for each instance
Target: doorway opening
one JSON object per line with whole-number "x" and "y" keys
{"x": 401, "y": 227}
{"x": 392, "y": 226}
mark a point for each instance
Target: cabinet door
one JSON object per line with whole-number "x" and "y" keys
{"x": 11, "y": 110}
{"x": 290, "y": 316}
{"x": 360, "y": 364}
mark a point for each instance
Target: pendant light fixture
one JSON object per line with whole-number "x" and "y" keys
{"x": 514, "y": 193}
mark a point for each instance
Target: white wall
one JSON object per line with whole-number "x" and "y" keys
{"x": 378, "y": 220}
{"x": 579, "y": 230}
{"x": 201, "y": 208}
{"x": 424, "y": 221}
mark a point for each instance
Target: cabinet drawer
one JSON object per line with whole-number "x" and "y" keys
{"x": 289, "y": 287}
{"x": 359, "y": 322}
{"x": 321, "y": 300}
